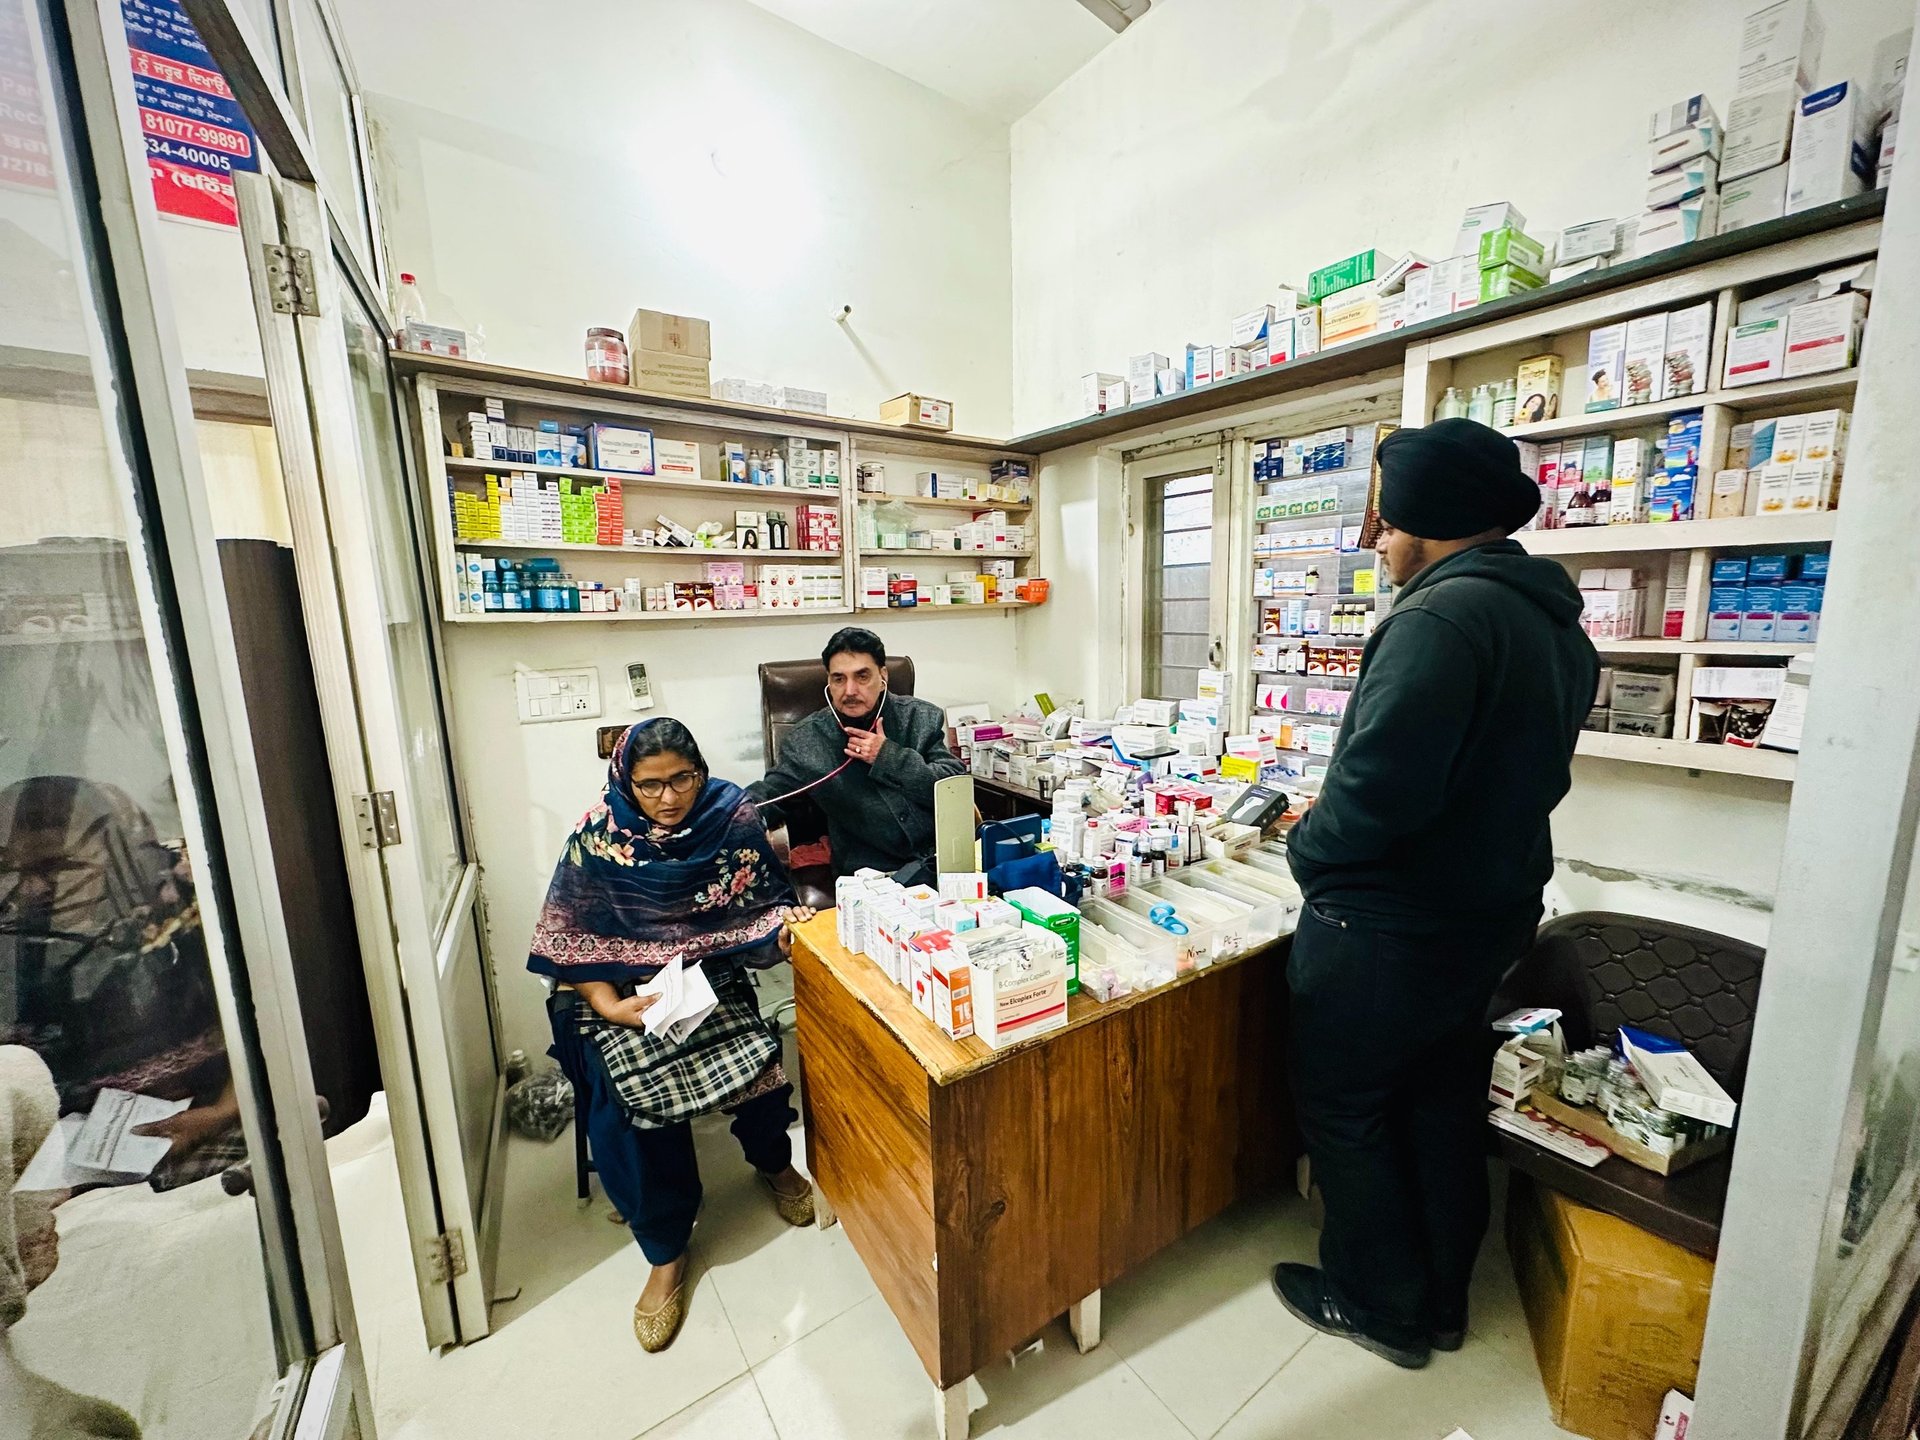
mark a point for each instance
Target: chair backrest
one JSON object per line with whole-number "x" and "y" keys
{"x": 1603, "y": 971}
{"x": 791, "y": 690}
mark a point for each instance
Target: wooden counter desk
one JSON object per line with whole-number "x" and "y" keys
{"x": 989, "y": 1191}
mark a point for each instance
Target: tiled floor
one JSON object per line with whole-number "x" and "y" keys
{"x": 788, "y": 1340}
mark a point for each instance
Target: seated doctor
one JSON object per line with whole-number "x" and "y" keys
{"x": 869, "y": 761}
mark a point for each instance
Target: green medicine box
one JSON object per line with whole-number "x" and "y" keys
{"x": 1505, "y": 280}
{"x": 1050, "y": 912}
{"x": 1345, "y": 274}
{"x": 1510, "y": 247}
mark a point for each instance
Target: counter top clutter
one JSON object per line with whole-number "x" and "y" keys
{"x": 1003, "y": 968}
{"x": 1786, "y": 147}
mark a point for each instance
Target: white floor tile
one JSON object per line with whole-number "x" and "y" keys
{"x": 734, "y": 1412}
{"x": 1199, "y": 1322}
{"x": 1333, "y": 1390}
{"x": 855, "y": 1378}
{"x": 1059, "y": 1392}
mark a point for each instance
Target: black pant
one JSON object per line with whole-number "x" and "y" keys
{"x": 1390, "y": 1056}
{"x": 652, "y": 1176}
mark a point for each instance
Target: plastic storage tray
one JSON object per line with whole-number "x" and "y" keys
{"x": 1267, "y": 914}
{"x": 1232, "y": 920}
{"x": 1188, "y": 951}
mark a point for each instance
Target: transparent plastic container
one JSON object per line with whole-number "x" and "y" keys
{"x": 1264, "y": 861}
{"x": 1232, "y": 920}
{"x": 1163, "y": 952}
{"x": 1111, "y": 966}
{"x": 1266, "y": 913}
{"x": 1203, "y": 931}
{"x": 1251, "y": 877}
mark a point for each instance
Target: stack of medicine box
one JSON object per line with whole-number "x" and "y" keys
{"x": 1661, "y": 356}
{"x": 1613, "y": 603}
{"x": 1349, "y": 294}
{"x": 1639, "y": 702}
{"x": 1767, "y": 598}
{"x": 1809, "y": 328}
{"x": 1683, "y": 180}
{"x": 1783, "y": 465}
{"x": 1511, "y": 263}
{"x": 817, "y": 527}
{"x": 1152, "y": 375}
{"x": 1441, "y": 288}
{"x": 1780, "y": 50}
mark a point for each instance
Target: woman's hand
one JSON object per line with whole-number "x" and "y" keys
{"x": 196, "y": 1125}
{"x": 796, "y": 915}
{"x": 628, "y": 1011}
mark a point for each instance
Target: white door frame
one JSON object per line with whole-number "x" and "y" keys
{"x": 223, "y": 807}
{"x": 405, "y": 936}
{"x": 1843, "y": 880}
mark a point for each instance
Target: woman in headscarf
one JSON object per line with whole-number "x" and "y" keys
{"x": 104, "y": 970}
{"x": 670, "y": 865}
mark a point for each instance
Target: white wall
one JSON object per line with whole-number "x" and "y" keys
{"x": 1221, "y": 148}
{"x": 543, "y": 169}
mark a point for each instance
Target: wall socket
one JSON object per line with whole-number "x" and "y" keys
{"x": 545, "y": 695}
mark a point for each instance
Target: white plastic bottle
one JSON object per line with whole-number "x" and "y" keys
{"x": 409, "y": 304}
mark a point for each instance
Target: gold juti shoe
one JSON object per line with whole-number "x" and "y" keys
{"x": 796, "y": 1210}
{"x": 655, "y": 1329}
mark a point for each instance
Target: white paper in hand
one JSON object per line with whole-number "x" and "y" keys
{"x": 685, "y": 1000}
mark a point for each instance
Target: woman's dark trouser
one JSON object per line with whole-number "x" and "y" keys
{"x": 1389, "y": 1056}
{"x": 651, "y": 1176}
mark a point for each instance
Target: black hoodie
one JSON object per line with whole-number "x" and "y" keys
{"x": 1457, "y": 745}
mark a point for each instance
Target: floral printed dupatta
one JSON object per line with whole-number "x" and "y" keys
{"x": 628, "y": 896}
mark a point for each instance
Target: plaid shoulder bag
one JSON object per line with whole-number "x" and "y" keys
{"x": 728, "y": 1059}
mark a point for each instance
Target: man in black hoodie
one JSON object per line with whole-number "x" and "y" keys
{"x": 1422, "y": 864}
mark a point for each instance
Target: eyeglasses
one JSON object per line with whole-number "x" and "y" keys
{"x": 680, "y": 784}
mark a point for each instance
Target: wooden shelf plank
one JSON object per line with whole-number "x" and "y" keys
{"x": 930, "y": 502}
{"x": 947, "y": 554}
{"x": 1730, "y": 533}
{"x": 1698, "y": 647}
{"x": 824, "y": 494}
{"x": 1684, "y": 755}
{"x": 472, "y": 377}
{"x": 665, "y": 617}
{"x": 1809, "y": 390}
{"x": 643, "y": 552}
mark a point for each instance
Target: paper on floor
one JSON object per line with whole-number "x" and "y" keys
{"x": 686, "y": 1000}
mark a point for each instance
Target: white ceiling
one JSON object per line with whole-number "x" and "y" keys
{"x": 997, "y": 56}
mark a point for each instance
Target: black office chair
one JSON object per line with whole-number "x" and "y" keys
{"x": 570, "y": 1052}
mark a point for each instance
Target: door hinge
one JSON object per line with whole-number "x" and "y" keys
{"x": 445, "y": 1257}
{"x": 379, "y": 820}
{"x": 290, "y": 280}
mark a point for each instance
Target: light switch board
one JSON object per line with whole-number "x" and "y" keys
{"x": 546, "y": 695}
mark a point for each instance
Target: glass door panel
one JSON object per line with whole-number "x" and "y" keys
{"x": 142, "y": 1294}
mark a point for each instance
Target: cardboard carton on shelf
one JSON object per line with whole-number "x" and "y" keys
{"x": 919, "y": 412}
{"x": 1617, "y": 1315}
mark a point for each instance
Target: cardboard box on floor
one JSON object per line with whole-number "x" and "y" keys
{"x": 1617, "y": 1315}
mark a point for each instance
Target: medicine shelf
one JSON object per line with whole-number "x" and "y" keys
{"x": 930, "y": 554}
{"x": 646, "y": 552}
{"x": 1698, "y": 647}
{"x": 1345, "y": 595}
{"x": 1806, "y": 389}
{"x": 892, "y": 610}
{"x": 931, "y": 501}
{"x": 652, "y": 482}
{"x": 1728, "y": 533}
{"x": 524, "y": 617}
{"x": 1685, "y": 755}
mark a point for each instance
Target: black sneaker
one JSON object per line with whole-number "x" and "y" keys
{"x": 1303, "y": 1290}
{"x": 1448, "y": 1340}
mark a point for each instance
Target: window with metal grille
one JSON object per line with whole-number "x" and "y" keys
{"x": 1179, "y": 555}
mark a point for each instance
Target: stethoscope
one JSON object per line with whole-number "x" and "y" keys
{"x": 827, "y": 694}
